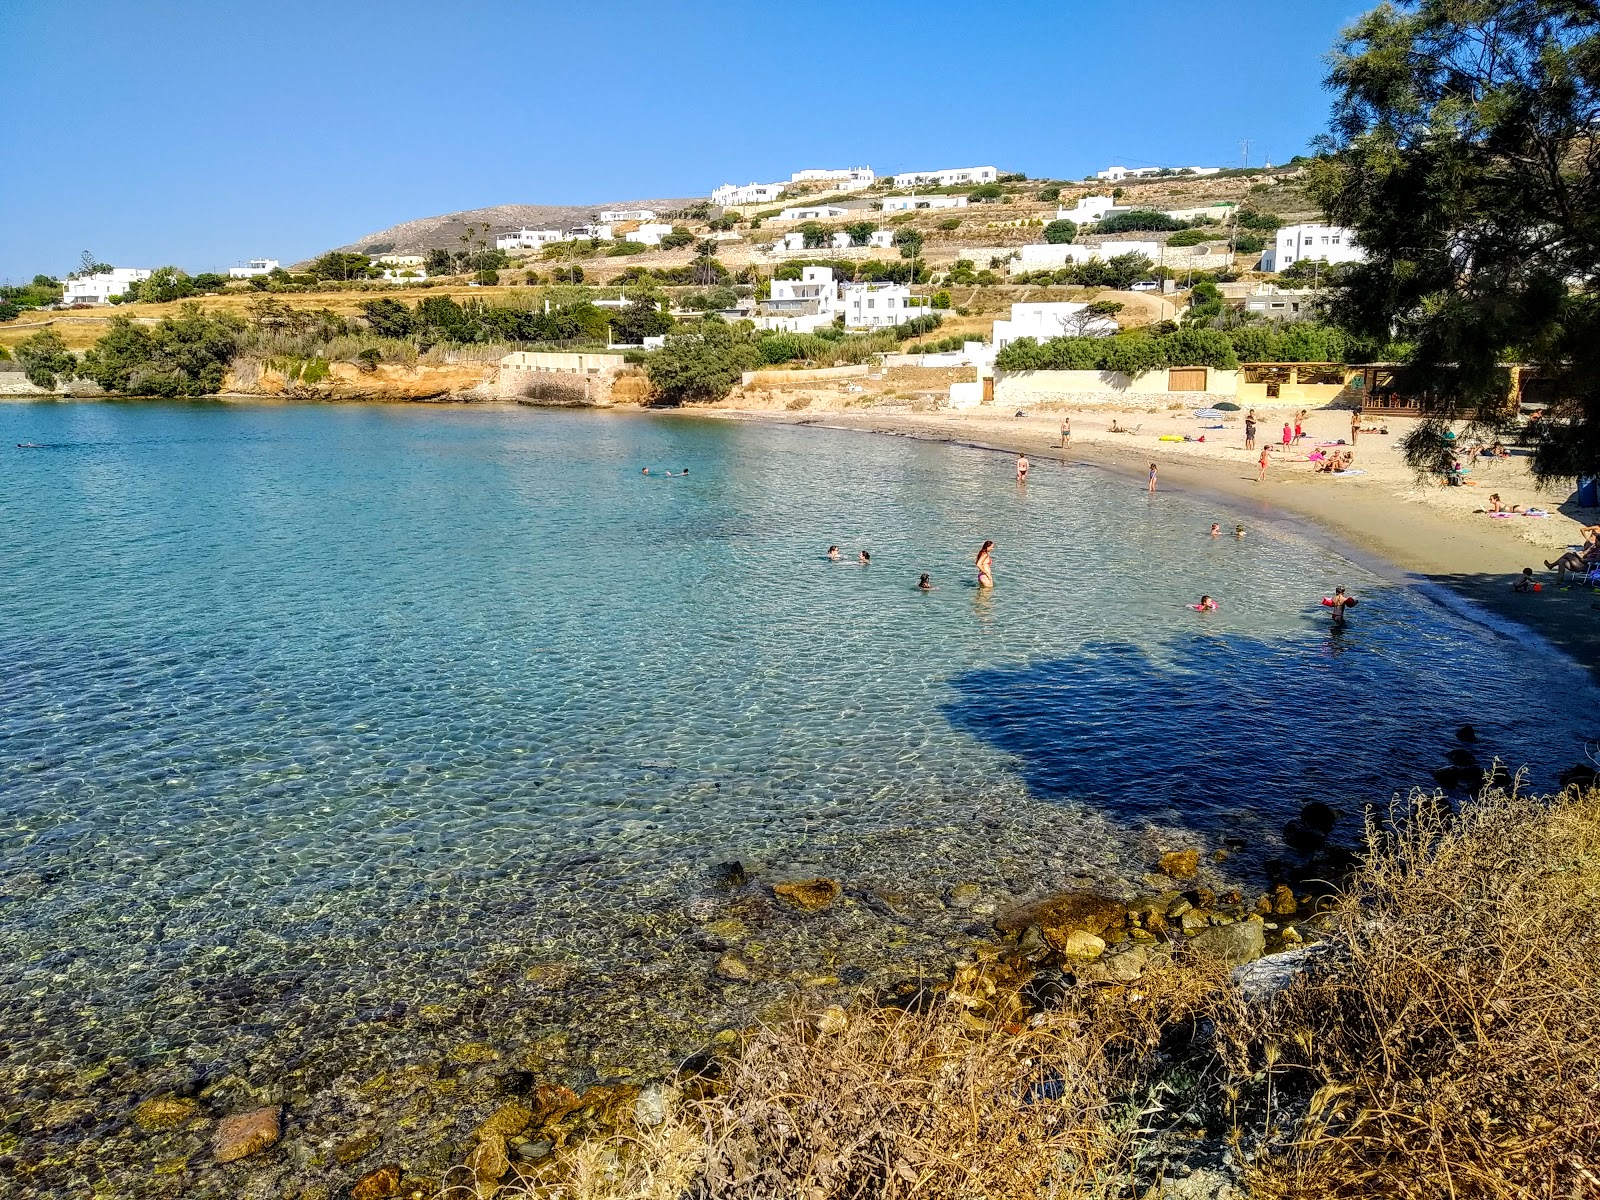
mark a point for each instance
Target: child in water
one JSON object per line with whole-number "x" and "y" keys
{"x": 833, "y": 553}
{"x": 925, "y": 584}
{"x": 1207, "y": 604}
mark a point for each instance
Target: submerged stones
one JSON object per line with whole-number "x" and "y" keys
{"x": 163, "y": 1113}
{"x": 244, "y": 1134}
{"x": 810, "y": 895}
{"x": 377, "y": 1185}
{"x": 510, "y": 1119}
{"x": 1060, "y": 915}
{"x": 1180, "y": 864}
{"x": 733, "y": 969}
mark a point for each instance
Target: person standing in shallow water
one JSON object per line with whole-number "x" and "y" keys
{"x": 1152, "y": 479}
{"x": 1066, "y": 432}
{"x": 985, "y": 563}
{"x": 1022, "y": 468}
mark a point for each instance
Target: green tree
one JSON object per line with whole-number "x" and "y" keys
{"x": 1060, "y": 232}
{"x": 388, "y": 318}
{"x": 985, "y": 191}
{"x": 339, "y": 265}
{"x": 677, "y": 239}
{"x": 860, "y": 232}
{"x": 165, "y": 284}
{"x": 1205, "y": 304}
{"x": 183, "y": 355}
{"x": 701, "y": 362}
{"x": 641, "y": 319}
{"x": 1138, "y": 220}
{"x": 46, "y": 360}
{"x": 909, "y": 241}
{"x": 1050, "y": 194}
{"x": 814, "y": 235}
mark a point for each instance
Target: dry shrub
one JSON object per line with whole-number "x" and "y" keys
{"x": 944, "y": 1103}
{"x": 1453, "y": 1048}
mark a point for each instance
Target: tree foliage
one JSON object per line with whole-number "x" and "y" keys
{"x": 1060, "y": 232}
{"x": 1129, "y": 353}
{"x": 337, "y": 264}
{"x": 183, "y": 355}
{"x": 909, "y": 241}
{"x": 1140, "y": 219}
{"x": 1464, "y": 152}
{"x": 46, "y": 360}
{"x": 702, "y": 362}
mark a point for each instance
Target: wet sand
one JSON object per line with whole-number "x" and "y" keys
{"x": 1426, "y": 534}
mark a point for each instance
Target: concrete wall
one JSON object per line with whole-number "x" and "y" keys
{"x": 966, "y": 395}
{"x": 777, "y": 378}
{"x": 1107, "y": 387}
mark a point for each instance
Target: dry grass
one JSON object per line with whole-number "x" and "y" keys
{"x": 1454, "y": 1051}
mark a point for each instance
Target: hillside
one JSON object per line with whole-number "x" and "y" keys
{"x": 426, "y": 233}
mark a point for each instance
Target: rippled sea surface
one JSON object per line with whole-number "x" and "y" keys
{"x": 333, "y": 738}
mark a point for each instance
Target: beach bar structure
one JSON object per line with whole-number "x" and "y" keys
{"x": 1383, "y": 390}
{"x": 1305, "y": 384}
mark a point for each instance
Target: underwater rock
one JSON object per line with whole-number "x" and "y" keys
{"x": 1060, "y": 914}
{"x": 357, "y": 1147}
{"x": 1317, "y": 815}
{"x": 1180, "y": 864}
{"x": 510, "y": 1119}
{"x": 488, "y": 1159}
{"x": 964, "y": 895}
{"x": 735, "y": 970}
{"x": 163, "y": 1112}
{"x": 729, "y": 876}
{"x": 377, "y": 1185}
{"x": 812, "y": 895}
{"x": 244, "y": 1134}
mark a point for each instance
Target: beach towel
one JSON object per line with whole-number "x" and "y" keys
{"x": 1356, "y": 471}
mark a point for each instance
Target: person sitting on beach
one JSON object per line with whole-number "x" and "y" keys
{"x": 833, "y": 553}
{"x": 1524, "y": 582}
{"x": 1496, "y": 450}
{"x": 864, "y": 558}
{"x": 1579, "y": 563}
{"x": 1207, "y": 604}
{"x": 925, "y": 584}
{"x": 1115, "y": 428}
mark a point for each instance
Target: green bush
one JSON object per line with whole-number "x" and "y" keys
{"x": 1060, "y": 232}
{"x": 1249, "y": 243}
{"x": 950, "y": 223}
{"x": 1050, "y": 194}
{"x": 45, "y": 359}
{"x": 677, "y": 239}
{"x": 1129, "y": 353}
{"x": 623, "y": 248}
{"x": 1192, "y": 237}
{"x": 1139, "y": 220}
{"x": 941, "y": 299}
{"x": 702, "y": 362}
{"x": 183, "y": 355}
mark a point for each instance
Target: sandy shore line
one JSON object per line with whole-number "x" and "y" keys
{"x": 1435, "y": 537}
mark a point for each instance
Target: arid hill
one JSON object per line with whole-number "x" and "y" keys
{"x": 422, "y": 235}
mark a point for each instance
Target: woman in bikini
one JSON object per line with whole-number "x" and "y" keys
{"x": 985, "y": 561}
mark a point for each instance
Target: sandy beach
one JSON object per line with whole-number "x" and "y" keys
{"x": 1428, "y": 534}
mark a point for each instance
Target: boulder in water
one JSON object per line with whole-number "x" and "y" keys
{"x": 812, "y": 895}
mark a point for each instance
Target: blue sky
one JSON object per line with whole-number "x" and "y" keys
{"x": 205, "y": 132}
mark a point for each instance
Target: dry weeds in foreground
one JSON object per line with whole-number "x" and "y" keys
{"x": 1448, "y": 1047}
{"x": 1455, "y": 1048}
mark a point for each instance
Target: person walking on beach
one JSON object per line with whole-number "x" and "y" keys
{"x": 1066, "y": 432}
{"x": 1250, "y": 430}
{"x": 1152, "y": 479}
{"x": 1287, "y": 435}
{"x": 1299, "y": 426}
{"x": 1261, "y": 467}
{"x": 1355, "y": 425}
{"x": 985, "y": 562}
{"x": 1022, "y": 468}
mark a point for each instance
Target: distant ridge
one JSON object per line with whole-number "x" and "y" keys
{"x": 426, "y": 233}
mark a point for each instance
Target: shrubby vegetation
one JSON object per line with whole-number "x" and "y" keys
{"x": 182, "y": 355}
{"x": 1120, "y": 272}
{"x": 1130, "y": 353}
{"x": 40, "y": 293}
{"x": 1060, "y": 232}
{"x": 1138, "y": 221}
{"x": 45, "y": 359}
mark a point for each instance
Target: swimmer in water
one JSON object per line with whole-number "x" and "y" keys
{"x": 985, "y": 563}
{"x": 1022, "y": 468}
{"x": 864, "y": 558}
{"x": 1238, "y": 532}
{"x": 644, "y": 470}
{"x": 925, "y": 584}
{"x": 833, "y": 553}
{"x": 1207, "y": 604}
{"x": 1340, "y": 602}
{"x": 1216, "y": 529}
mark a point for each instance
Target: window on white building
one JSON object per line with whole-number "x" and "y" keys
{"x": 872, "y": 303}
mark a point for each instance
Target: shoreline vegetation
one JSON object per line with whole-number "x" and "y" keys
{"x": 1427, "y": 1039}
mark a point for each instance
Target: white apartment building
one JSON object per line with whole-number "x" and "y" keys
{"x": 1118, "y": 174}
{"x": 813, "y": 212}
{"x": 846, "y": 179}
{"x": 949, "y": 177}
{"x": 256, "y": 266}
{"x": 908, "y": 203}
{"x": 613, "y": 215}
{"x": 1325, "y": 243}
{"x": 1050, "y": 320}
{"x": 400, "y": 260}
{"x": 650, "y": 233}
{"x": 528, "y": 239}
{"x": 595, "y": 232}
{"x": 98, "y": 289}
{"x": 1088, "y": 210}
{"x": 750, "y": 193}
{"x": 877, "y": 305}
{"x": 801, "y": 305}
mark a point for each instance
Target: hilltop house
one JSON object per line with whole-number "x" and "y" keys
{"x": 598, "y": 232}
{"x": 907, "y": 203}
{"x": 1323, "y": 243}
{"x": 612, "y": 215}
{"x": 1089, "y": 209}
{"x": 876, "y": 305}
{"x": 948, "y": 177}
{"x": 794, "y": 240}
{"x": 1118, "y": 174}
{"x": 848, "y": 179}
{"x": 881, "y": 239}
{"x": 650, "y": 233}
{"x": 528, "y": 239}
{"x": 1050, "y": 320}
{"x": 400, "y": 260}
{"x": 751, "y": 193}
{"x": 98, "y": 289}
{"x": 256, "y": 266}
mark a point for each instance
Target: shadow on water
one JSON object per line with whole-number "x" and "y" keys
{"x": 1223, "y": 731}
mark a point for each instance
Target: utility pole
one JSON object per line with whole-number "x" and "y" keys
{"x": 1244, "y": 152}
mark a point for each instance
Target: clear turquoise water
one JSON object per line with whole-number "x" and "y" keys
{"x": 311, "y": 717}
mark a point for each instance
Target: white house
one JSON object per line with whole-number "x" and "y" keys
{"x": 881, "y": 239}
{"x": 1325, "y": 243}
{"x": 845, "y": 179}
{"x": 1050, "y": 320}
{"x": 98, "y": 289}
{"x": 1118, "y": 174}
{"x": 612, "y": 215}
{"x": 801, "y": 305}
{"x": 403, "y": 275}
{"x": 908, "y": 203}
{"x": 875, "y": 305}
{"x": 750, "y": 193}
{"x": 256, "y": 266}
{"x": 794, "y": 240}
{"x": 949, "y": 177}
{"x": 813, "y": 212}
{"x": 650, "y": 233}
{"x": 400, "y": 260}
{"x": 1088, "y": 210}
{"x": 528, "y": 239}
{"x": 598, "y": 232}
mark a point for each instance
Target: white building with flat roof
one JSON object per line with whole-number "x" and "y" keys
{"x": 256, "y": 266}
{"x": 812, "y": 212}
{"x": 1088, "y": 210}
{"x": 528, "y": 239}
{"x": 1118, "y": 174}
{"x": 845, "y": 179}
{"x": 1050, "y": 320}
{"x": 877, "y": 305}
{"x": 1318, "y": 243}
{"x": 613, "y": 215}
{"x": 749, "y": 193}
{"x": 98, "y": 289}
{"x": 909, "y": 203}
{"x": 650, "y": 233}
{"x": 598, "y": 232}
{"x": 948, "y": 177}
{"x": 801, "y": 305}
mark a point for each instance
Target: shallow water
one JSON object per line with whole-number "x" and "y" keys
{"x": 329, "y": 733}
